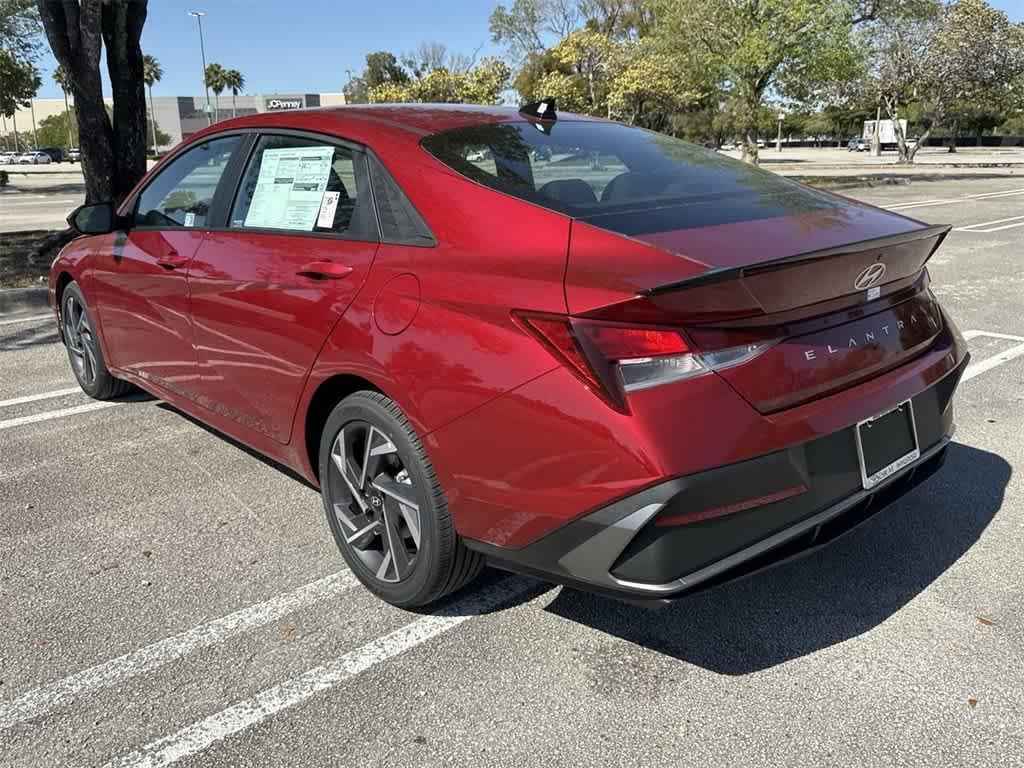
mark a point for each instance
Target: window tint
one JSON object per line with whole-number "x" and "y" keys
{"x": 624, "y": 179}
{"x": 301, "y": 185}
{"x": 183, "y": 192}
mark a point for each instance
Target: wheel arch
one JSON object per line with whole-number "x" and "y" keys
{"x": 64, "y": 279}
{"x": 328, "y": 394}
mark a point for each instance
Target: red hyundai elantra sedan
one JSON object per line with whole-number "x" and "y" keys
{"x": 547, "y": 342}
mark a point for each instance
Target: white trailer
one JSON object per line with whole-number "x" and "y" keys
{"x": 886, "y": 130}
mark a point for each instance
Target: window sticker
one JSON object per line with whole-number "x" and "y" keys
{"x": 327, "y": 209}
{"x": 290, "y": 188}
{"x": 190, "y": 219}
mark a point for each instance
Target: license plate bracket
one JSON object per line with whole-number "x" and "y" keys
{"x": 887, "y": 443}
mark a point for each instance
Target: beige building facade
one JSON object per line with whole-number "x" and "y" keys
{"x": 177, "y": 116}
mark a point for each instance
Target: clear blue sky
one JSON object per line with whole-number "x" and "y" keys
{"x": 304, "y": 46}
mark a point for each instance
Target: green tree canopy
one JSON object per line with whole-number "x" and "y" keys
{"x": 19, "y": 83}
{"x": 753, "y": 48}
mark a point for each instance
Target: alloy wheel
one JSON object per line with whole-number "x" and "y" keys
{"x": 80, "y": 340}
{"x": 375, "y": 502}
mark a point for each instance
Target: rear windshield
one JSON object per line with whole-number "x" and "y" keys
{"x": 620, "y": 178}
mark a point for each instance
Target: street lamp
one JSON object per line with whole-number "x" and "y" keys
{"x": 202, "y": 52}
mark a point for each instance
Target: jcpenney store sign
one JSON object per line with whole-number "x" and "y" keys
{"x": 283, "y": 102}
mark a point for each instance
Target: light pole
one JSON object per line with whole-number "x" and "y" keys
{"x": 202, "y": 52}
{"x": 35, "y": 136}
{"x": 778, "y": 140}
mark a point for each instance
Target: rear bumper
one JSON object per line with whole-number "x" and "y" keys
{"x": 714, "y": 526}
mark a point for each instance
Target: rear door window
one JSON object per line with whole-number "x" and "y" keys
{"x": 296, "y": 184}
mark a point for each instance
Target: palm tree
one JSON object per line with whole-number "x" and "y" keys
{"x": 215, "y": 81}
{"x": 64, "y": 81}
{"x": 152, "y": 73}
{"x": 234, "y": 81}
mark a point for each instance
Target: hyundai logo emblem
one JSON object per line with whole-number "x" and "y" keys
{"x": 869, "y": 276}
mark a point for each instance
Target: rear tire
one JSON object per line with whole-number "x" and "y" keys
{"x": 385, "y": 506}
{"x": 84, "y": 350}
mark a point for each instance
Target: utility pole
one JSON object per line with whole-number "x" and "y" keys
{"x": 202, "y": 52}
{"x": 35, "y": 137}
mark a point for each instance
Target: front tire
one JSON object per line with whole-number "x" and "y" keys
{"x": 84, "y": 350}
{"x": 385, "y": 506}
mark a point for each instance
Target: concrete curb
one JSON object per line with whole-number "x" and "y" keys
{"x": 782, "y": 165}
{"x": 16, "y": 301}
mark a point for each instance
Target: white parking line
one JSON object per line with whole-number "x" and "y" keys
{"x": 39, "y": 396}
{"x": 984, "y": 228}
{"x": 40, "y": 701}
{"x": 994, "y": 334}
{"x": 980, "y": 367}
{"x": 48, "y": 415}
{"x": 948, "y": 200}
{"x": 30, "y": 319}
{"x": 202, "y": 734}
{"x": 37, "y": 204}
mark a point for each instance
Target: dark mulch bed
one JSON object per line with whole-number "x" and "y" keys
{"x": 25, "y": 257}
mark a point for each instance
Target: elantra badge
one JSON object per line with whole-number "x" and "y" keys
{"x": 869, "y": 276}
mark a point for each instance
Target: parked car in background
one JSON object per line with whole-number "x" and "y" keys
{"x": 56, "y": 153}
{"x": 640, "y": 376}
{"x": 6, "y": 158}
{"x": 729, "y": 145}
{"x": 34, "y": 158}
{"x": 858, "y": 144}
{"x": 73, "y": 155}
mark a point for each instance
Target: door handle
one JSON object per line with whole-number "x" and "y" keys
{"x": 172, "y": 261}
{"x": 324, "y": 270}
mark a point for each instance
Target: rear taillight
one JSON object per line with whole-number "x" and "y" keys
{"x": 613, "y": 359}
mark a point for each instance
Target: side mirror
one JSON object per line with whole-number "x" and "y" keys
{"x": 95, "y": 219}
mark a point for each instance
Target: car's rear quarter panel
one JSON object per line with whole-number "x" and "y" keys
{"x": 462, "y": 347}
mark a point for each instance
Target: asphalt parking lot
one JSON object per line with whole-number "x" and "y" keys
{"x": 168, "y": 598}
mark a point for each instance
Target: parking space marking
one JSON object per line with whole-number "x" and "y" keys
{"x": 39, "y": 396}
{"x": 980, "y": 367}
{"x": 32, "y": 319}
{"x": 40, "y": 701}
{"x": 58, "y": 414}
{"x": 204, "y": 733}
{"x": 948, "y": 200}
{"x": 37, "y": 204}
{"x": 993, "y": 334}
{"x": 986, "y": 226}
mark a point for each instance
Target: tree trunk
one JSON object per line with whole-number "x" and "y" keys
{"x": 113, "y": 156}
{"x": 152, "y": 117}
{"x": 73, "y": 30}
{"x": 921, "y": 141}
{"x": 749, "y": 149}
{"x": 234, "y": 108}
{"x": 955, "y": 131}
{"x": 17, "y": 142}
{"x": 122, "y": 31}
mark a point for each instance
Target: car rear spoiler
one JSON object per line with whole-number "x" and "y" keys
{"x": 722, "y": 274}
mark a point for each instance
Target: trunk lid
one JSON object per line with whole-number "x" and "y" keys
{"x": 839, "y": 294}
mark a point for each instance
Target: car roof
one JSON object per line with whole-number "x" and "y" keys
{"x": 409, "y": 121}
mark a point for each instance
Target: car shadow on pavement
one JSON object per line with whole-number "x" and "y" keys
{"x": 240, "y": 446}
{"x": 833, "y": 594}
{"x": 33, "y": 336}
